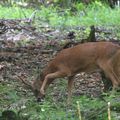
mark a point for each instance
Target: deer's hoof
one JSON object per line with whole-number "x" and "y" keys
{"x": 40, "y": 99}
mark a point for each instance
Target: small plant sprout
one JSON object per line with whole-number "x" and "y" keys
{"x": 78, "y": 109}
{"x": 109, "y": 115}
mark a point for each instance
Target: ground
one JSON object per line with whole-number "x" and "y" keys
{"x": 25, "y": 55}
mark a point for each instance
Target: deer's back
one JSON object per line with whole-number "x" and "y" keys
{"x": 84, "y": 57}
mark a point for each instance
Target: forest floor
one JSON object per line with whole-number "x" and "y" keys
{"x": 25, "y": 52}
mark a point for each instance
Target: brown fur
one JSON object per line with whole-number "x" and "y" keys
{"x": 86, "y": 57}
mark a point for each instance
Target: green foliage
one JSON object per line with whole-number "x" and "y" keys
{"x": 96, "y": 13}
{"x": 91, "y": 108}
{"x": 14, "y": 12}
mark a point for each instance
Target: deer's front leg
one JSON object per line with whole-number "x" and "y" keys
{"x": 49, "y": 77}
{"x": 70, "y": 86}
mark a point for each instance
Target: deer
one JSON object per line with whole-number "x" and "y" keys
{"x": 86, "y": 57}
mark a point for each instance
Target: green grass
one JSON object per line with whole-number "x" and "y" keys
{"x": 50, "y": 109}
{"x": 14, "y": 12}
{"x": 95, "y": 13}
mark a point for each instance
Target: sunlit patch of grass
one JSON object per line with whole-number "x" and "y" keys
{"x": 14, "y": 12}
{"x": 95, "y": 13}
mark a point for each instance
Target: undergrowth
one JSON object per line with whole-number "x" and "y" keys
{"x": 96, "y": 13}
{"x": 27, "y": 108}
{"x": 14, "y": 12}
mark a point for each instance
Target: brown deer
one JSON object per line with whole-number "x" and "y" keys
{"x": 86, "y": 57}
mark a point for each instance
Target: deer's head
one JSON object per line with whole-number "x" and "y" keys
{"x": 35, "y": 86}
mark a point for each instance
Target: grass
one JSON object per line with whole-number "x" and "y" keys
{"x": 29, "y": 109}
{"x": 95, "y": 13}
{"x": 14, "y": 12}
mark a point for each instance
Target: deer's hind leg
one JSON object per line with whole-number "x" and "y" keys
{"x": 116, "y": 65}
{"x": 115, "y": 61}
{"x": 109, "y": 71}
